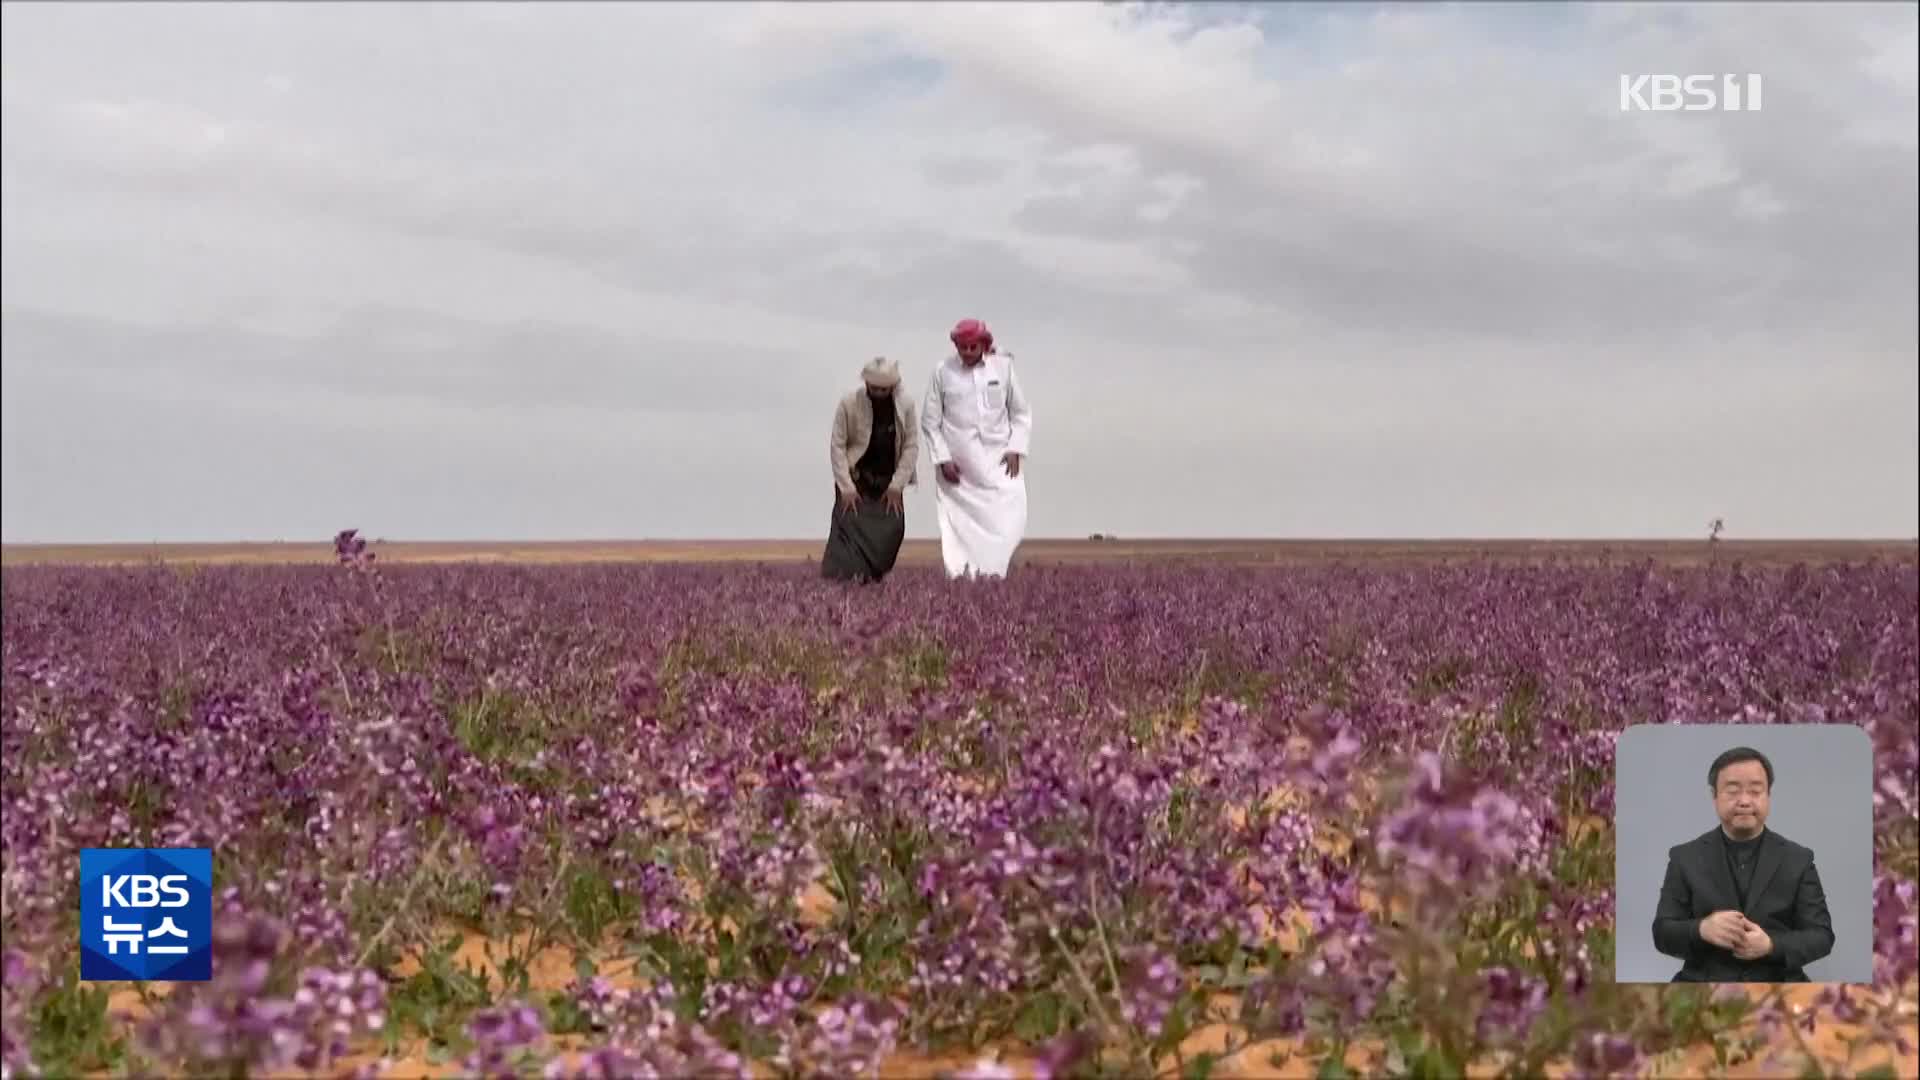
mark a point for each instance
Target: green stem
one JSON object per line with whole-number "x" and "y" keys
{"x": 1086, "y": 985}
{"x": 419, "y": 875}
{"x": 1800, "y": 1040}
{"x": 1135, "y": 1038}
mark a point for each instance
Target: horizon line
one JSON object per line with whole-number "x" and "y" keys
{"x": 1081, "y": 538}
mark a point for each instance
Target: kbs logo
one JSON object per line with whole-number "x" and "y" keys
{"x": 146, "y": 914}
{"x": 1690, "y": 93}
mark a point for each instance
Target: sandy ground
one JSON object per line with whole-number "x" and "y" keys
{"x": 1033, "y": 552}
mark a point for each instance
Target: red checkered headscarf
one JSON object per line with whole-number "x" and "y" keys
{"x": 969, "y": 331}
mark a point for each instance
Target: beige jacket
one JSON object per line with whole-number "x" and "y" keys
{"x": 853, "y": 426}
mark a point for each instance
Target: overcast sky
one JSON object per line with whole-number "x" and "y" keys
{"x": 546, "y": 271}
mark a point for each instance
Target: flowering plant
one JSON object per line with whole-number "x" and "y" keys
{"x": 630, "y": 820}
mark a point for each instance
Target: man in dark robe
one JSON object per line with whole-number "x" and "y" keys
{"x": 874, "y": 450}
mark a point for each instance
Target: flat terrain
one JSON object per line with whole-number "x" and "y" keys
{"x": 1036, "y": 552}
{"x": 1104, "y": 803}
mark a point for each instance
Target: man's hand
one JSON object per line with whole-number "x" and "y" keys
{"x": 1012, "y": 462}
{"x": 849, "y": 501}
{"x": 1727, "y": 929}
{"x": 895, "y": 500}
{"x": 950, "y": 472}
{"x": 1754, "y": 944}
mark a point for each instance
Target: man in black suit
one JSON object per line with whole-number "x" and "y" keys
{"x": 1741, "y": 903}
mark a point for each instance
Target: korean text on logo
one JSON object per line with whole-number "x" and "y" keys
{"x": 146, "y": 914}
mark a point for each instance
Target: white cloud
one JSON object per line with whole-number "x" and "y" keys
{"x": 1347, "y": 234}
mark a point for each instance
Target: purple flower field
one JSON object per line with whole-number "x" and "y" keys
{"x": 1135, "y": 820}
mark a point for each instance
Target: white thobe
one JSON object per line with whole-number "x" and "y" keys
{"x": 971, "y": 416}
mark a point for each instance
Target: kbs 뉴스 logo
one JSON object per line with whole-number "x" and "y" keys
{"x": 146, "y": 914}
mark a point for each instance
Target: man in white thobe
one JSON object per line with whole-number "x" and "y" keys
{"x": 976, "y": 422}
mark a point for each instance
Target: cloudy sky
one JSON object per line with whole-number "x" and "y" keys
{"x": 600, "y": 271}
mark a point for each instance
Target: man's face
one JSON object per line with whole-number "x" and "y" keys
{"x": 1741, "y": 798}
{"x": 972, "y": 351}
{"x": 879, "y": 393}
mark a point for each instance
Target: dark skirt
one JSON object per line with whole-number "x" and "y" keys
{"x": 863, "y": 543}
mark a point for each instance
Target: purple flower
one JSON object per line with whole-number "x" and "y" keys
{"x": 351, "y": 548}
{"x": 1454, "y": 841}
{"x": 233, "y": 1022}
{"x": 1060, "y": 1055}
{"x": 508, "y": 1027}
{"x": 1896, "y": 932}
{"x": 1605, "y": 1055}
{"x": 1151, "y": 988}
{"x": 1512, "y": 1003}
{"x": 644, "y": 1037}
{"x": 19, "y": 983}
{"x": 497, "y": 1033}
{"x": 683, "y": 759}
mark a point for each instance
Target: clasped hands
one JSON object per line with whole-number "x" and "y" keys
{"x": 894, "y": 500}
{"x": 1734, "y": 931}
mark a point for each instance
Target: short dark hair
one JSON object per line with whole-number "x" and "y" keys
{"x": 1734, "y": 757}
